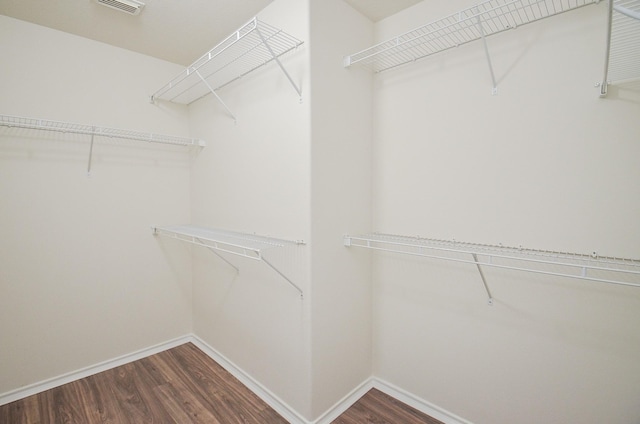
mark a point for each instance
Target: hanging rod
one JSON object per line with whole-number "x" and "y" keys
{"x": 458, "y": 29}
{"x": 252, "y": 46}
{"x": 68, "y": 127}
{"x": 246, "y": 245}
{"x": 603, "y": 269}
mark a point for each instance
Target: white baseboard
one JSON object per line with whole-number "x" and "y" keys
{"x": 281, "y": 407}
{"x": 345, "y": 403}
{"x": 417, "y": 403}
{"x": 51, "y": 383}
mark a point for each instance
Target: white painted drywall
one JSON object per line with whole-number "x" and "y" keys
{"x": 254, "y": 178}
{"x": 545, "y": 164}
{"x": 342, "y": 128}
{"x": 298, "y": 170}
{"x": 82, "y": 278}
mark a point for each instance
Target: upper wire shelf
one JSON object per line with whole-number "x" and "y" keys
{"x": 486, "y": 18}
{"x": 622, "y": 62}
{"x": 246, "y": 245}
{"x": 590, "y": 267}
{"x": 242, "y": 244}
{"x": 253, "y": 45}
{"x": 68, "y": 127}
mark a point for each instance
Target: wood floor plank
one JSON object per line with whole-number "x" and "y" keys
{"x": 138, "y": 404}
{"x": 167, "y": 369}
{"x": 181, "y": 385}
{"x": 98, "y": 398}
{"x": 224, "y": 393}
{"x": 27, "y": 412}
{"x": 376, "y": 407}
{"x": 183, "y": 406}
{"x": 67, "y": 406}
{"x": 46, "y": 407}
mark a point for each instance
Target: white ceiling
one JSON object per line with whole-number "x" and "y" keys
{"x": 380, "y": 9}
{"x": 178, "y": 31}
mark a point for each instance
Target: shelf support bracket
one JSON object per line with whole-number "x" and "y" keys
{"x": 494, "y": 89}
{"x": 275, "y": 57}
{"x": 204, "y": 81}
{"x": 212, "y": 250}
{"x": 484, "y": 281}
{"x": 282, "y": 275}
{"x": 605, "y": 83}
{"x": 90, "y": 154}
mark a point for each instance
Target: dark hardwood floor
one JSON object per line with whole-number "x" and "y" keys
{"x": 181, "y": 385}
{"x": 376, "y": 407}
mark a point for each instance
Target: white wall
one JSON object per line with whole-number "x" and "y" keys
{"x": 254, "y": 178}
{"x": 545, "y": 164}
{"x": 340, "y": 203}
{"x": 82, "y": 278}
{"x": 298, "y": 170}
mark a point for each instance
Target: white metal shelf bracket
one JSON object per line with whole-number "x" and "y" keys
{"x": 294, "y": 285}
{"x": 90, "y": 155}
{"x": 245, "y": 245}
{"x": 494, "y": 87}
{"x": 604, "y": 84}
{"x": 212, "y": 250}
{"x": 277, "y": 60}
{"x": 622, "y": 50}
{"x": 484, "y": 280}
{"x": 204, "y": 81}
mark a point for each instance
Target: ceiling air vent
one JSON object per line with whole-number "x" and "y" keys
{"x": 131, "y": 7}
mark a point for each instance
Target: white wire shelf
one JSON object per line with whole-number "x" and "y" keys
{"x": 484, "y": 19}
{"x": 622, "y": 62}
{"x": 602, "y": 269}
{"x": 246, "y": 245}
{"x": 253, "y": 45}
{"x": 73, "y": 128}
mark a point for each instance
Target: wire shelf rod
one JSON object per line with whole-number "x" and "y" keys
{"x": 525, "y": 252}
{"x": 246, "y": 245}
{"x": 74, "y": 128}
{"x": 399, "y": 244}
{"x": 235, "y": 249}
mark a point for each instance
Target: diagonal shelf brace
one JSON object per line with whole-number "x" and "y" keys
{"x": 275, "y": 57}
{"x": 282, "y": 275}
{"x": 188, "y": 234}
{"x": 212, "y": 250}
{"x": 604, "y": 85}
{"x": 484, "y": 281}
{"x": 621, "y": 60}
{"x": 204, "y": 81}
{"x": 494, "y": 88}
{"x": 90, "y": 155}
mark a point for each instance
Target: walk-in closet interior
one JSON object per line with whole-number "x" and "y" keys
{"x": 440, "y": 202}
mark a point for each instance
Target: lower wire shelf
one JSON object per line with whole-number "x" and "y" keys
{"x": 590, "y": 267}
{"x": 246, "y": 245}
